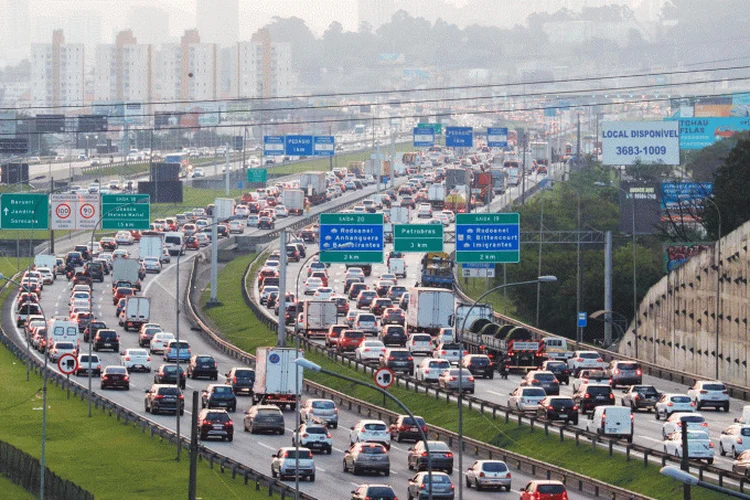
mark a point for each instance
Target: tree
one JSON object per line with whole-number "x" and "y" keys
{"x": 730, "y": 191}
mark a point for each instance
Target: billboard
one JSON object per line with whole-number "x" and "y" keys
{"x": 120, "y": 113}
{"x": 698, "y": 133}
{"x": 643, "y": 198}
{"x": 92, "y": 123}
{"x": 49, "y": 123}
{"x": 166, "y": 119}
{"x": 682, "y": 202}
{"x": 626, "y": 143}
{"x": 675, "y": 254}
{"x": 7, "y": 123}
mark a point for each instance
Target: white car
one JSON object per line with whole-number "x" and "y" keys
{"x": 242, "y": 210}
{"x": 695, "y": 422}
{"x": 323, "y": 293}
{"x": 152, "y": 265}
{"x": 159, "y": 341}
{"x": 281, "y": 211}
{"x": 444, "y": 219}
{"x": 60, "y": 348}
{"x": 451, "y": 215}
{"x": 526, "y": 398}
{"x": 136, "y": 360}
{"x": 420, "y": 343}
{"x": 389, "y": 277}
{"x": 369, "y": 351}
{"x": 672, "y": 403}
{"x": 424, "y": 210}
{"x": 48, "y": 277}
{"x": 312, "y": 284}
{"x": 124, "y": 238}
{"x": 198, "y": 172}
{"x": 699, "y": 445}
{"x": 252, "y": 220}
{"x": 236, "y": 227}
{"x": 80, "y": 295}
{"x": 429, "y": 369}
{"x": 354, "y": 272}
{"x": 88, "y": 364}
{"x": 367, "y": 322}
{"x": 582, "y": 360}
{"x": 370, "y": 430}
{"x": 266, "y": 292}
{"x": 734, "y": 440}
{"x": 80, "y": 305}
{"x": 709, "y": 394}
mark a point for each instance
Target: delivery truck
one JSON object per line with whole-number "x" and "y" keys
{"x": 436, "y": 195}
{"x": 276, "y": 381}
{"x": 126, "y": 270}
{"x": 151, "y": 245}
{"x": 318, "y": 316}
{"x": 136, "y": 313}
{"x": 430, "y": 309}
{"x": 314, "y": 185}
{"x": 294, "y": 201}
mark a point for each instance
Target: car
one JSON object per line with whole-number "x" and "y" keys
{"x": 673, "y": 423}
{"x": 215, "y": 423}
{"x": 219, "y": 396}
{"x": 365, "y": 298}
{"x": 170, "y": 374}
{"x": 266, "y": 222}
{"x": 440, "y": 483}
{"x": 370, "y": 430}
{"x": 236, "y": 227}
{"x": 624, "y": 373}
{"x": 316, "y": 437}
{"x": 290, "y": 462}
{"x": 407, "y": 428}
{"x": 424, "y": 210}
{"x": 640, "y": 397}
{"x": 241, "y": 379}
{"x": 354, "y": 272}
{"x": 440, "y": 454}
{"x": 48, "y": 277}
{"x": 393, "y": 335}
{"x": 349, "y": 340}
{"x": 152, "y": 265}
{"x": 590, "y": 377}
{"x": 371, "y": 491}
{"x": 700, "y": 445}
{"x": 742, "y": 464}
{"x": 202, "y": 239}
{"x": 367, "y": 457}
{"x": 450, "y": 351}
{"x": 114, "y": 377}
{"x": 203, "y": 365}
{"x": 669, "y": 403}
{"x": 366, "y": 322}
{"x": 159, "y": 341}
{"x": 124, "y": 238}
{"x": 585, "y": 359}
{"x": 264, "y": 418}
{"x": 549, "y": 490}
{"x": 106, "y": 339}
{"x": 379, "y": 305}
{"x": 369, "y": 351}
{"x": 398, "y": 360}
{"x": 543, "y": 379}
{"x": 58, "y": 349}
{"x": 430, "y": 369}
{"x": 136, "y": 360}
{"x": 320, "y": 411}
{"x": 355, "y": 288}
{"x": 382, "y": 286}
{"x": 177, "y": 351}
{"x": 709, "y": 395}
{"x": 526, "y": 399}
{"x": 479, "y": 365}
{"x": 162, "y": 398}
{"x": 342, "y": 304}
{"x": 589, "y": 396}
{"x": 734, "y": 440}
{"x": 558, "y": 408}
{"x": 122, "y": 292}
{"x": 559, "y": 369}
{"x": 454, "y": 379}
{"x": 311, "y": 285}
{"x": 420, "y": 343}
{"x": 147, "y": 332}
{"x": 323, "y": 293}
{"x": 486, "y": 474}
{"x": 281, "y": 211}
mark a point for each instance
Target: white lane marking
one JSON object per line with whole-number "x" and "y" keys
{"x": 320, "y": 469}
{"x": 264, "y": 445}
{"x": 496, "y": 393}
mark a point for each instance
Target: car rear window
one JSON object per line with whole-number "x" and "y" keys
{"x": 534, "y": 392}
{"x": 422, "y": 338}
{"x": 324, "y": 405}
{"x": 714, "y": 387}
{"x": 436, "y": 478}
{"x": 410, "y": 421}
{"x": 375, "y": 427}
{"x": 589, "y": 355}
{"x": 745, "y": 431}
{"x": 696, "y": 419}
{"x": 354, "y": 334}
{"x": 598, "y": 390}
{"x": 680, "y": 399}
{"x": 180, "y": 345}
{"x": 268, "y": 413}
{"x": 216, "y": 416}
{"x": 562, "y": 403}
{"x": 244, "y": 374}
{"x": 116, "y": 369}
{"x": 373, "y": 450}
{"x": 302, "y": 454}
{"x": 380, "y": 491}
{"x": 494, "y": 467}
{"x": 550, "y": 489}
{"x": 170, "y": 391}
{"x": 628, "y": 366}
{"x": 645, "y": 390}
{"x": 223, "y": 390}
{"x": 64, "y": 345}
{"x": 316, "y": 430}
{"x": 400, "y": 354}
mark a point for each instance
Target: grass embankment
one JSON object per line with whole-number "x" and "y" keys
{"x": 244, "y": 330}
{"x": 12, "y": 491}
{"x": 106, "y": 457}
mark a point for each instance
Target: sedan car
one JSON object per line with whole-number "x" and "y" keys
{"x": 215, "y": 423}
{"x": 367, "y": 457}
{"x": 709, "y": 394}
{"x": 485, "y": 474}
{"x": 236, "y": 227}
{"x": 176, "y": 351}
{"x": 161, "y": 398}
{"x": 316, "y": 437}
{"x": 441, "y": 456}
{"x": 323, "y": 293}
{"x": 135, "y": 360}
{"x": 393, "y": 316}
{"x": 545, "y": 380}
{"x": 734, "y": 440}
{"x": 700, "y": 445}
{"x": 442, "y": 486}
{"x": 480, "y": 365}
{"x": 124, "y": 238}
{"x": 152, "y": 265}
{"x": 671, "y": 403}
{"x": 526, "y": 398}
{"x": 454, "y": 379}
{"x": 407, "y": 428}
{"x": 369, "y": 351}
{"x": 114, "y": 377}
{"x": 311, "y": 285}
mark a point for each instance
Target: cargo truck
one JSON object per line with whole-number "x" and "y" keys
{"x": 294, "y": 201}
{"x": 540, "y": 152}
{"x": 456, "y": 200}
{"x": 458, "y": 176}
{"x": 437, "y": 270}
{"x": 498, "y": 181}
{"x": 314, "y": 185}
{"x": 318, "y": 316}
{"x": 126, "y": 270}
{"x": 151, "y": 245}
{"x": 430, "y": 309}
{"x": 436, "y": 195}
{"x": 136, "y": 313}
{"x": 479, "y": 311}
{"x": 276, "y": 381}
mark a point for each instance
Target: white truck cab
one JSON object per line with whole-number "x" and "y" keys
{"x": 614, "y": 421}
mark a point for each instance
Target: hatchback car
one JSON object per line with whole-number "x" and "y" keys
{"x": 441, "y": 456}
{"x": 420, "y": 343}
{"x": 290, "y": 463}
{"x": 215, "y": 423}
{"x": 454, "y": 379}
{"x": 589, "y": 396}
{"x": 264, "y": 418}
{"x": 371, "y": 491}
{"x": 393, "y": 335}
{"x": 164, "y": 398}
{"x": 177, "y": 351}
{"x": 136, "y": 360}
{"x": 549, "y": 490}
{"x": 706, "y": 394}
{"x": 370, "y": 430}
{"x": 671, "y": 403}
{"x": 442, "y": 486}
{"x": 398, "y": 360}
{"x": 700, "y": 445}
{"x": 429, "y": 369}
{"x": 625, "y": 373}
{"x": 320, "y": 411}
{"x": 526, "y": 398}
{"x": 367, "y": 457}
{"x": 480, "y": 365}
{"x": 146, "y": 333}
{"x": 219, "y": 396}
{"x": 350, "y": 340}
{"x": 545, "y": 380}
{"x": 734, "y": 440}
{"x": 106, "y": 339}
{"x": 485, "y": 474}
{"x": 315, "y": 437}
{"x": 407, "y": 428}
{"x": 114, "y": 377}
{"x": 393, "y": 315}
{"x": 159, "y": 341}
{"x": 170, "y": 374}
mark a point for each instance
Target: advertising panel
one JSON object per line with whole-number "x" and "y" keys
{"x": 626, "y": 143}
{"x": 644, "y": 199}
{"x": 7, "y": 123}
{"x": 682, "y": 202}
{"x": 697, "y": 133}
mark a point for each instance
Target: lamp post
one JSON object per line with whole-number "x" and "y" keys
{"x": 314, "y": 367}
{"x": 717, "y": 264}
{"x": 607, "y": 319}
{"x": 687, "y": 478}
{"x": 44, "y": 396}
{"x": 540, "y": 279}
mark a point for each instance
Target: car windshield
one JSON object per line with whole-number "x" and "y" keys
{"x": 323, "y": 405}
{"x": 494, "y": 467}
{"x": 714, "y": 387}
{"x": 375, "y": 427}
{"x": 551, "y": 489}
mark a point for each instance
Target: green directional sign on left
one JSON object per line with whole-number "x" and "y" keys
{"x": 24, "y": 211}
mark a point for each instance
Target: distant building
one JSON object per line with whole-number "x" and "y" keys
{"x": 57, "y": 73}
{"x": 187, "y": 70}
{"x": 218, "y": 21}
{"x": 124, "y": 71}
{"x": 15, "y": 30}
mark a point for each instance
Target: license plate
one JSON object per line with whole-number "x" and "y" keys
{"x": 413, "y": 429}
{"x": 600, "y": 397}
{"x": 107, "y": 344}
{"x": 218, "y": 426}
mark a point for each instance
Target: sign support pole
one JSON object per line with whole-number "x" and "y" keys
{"x": 281, "y": 333}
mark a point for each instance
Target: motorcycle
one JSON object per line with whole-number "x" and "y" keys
{"x": 69, "y": 275}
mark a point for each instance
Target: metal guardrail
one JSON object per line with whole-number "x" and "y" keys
{"x": 127, "y": 416}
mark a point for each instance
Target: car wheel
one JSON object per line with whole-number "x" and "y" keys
{"x": 710, "y": 461}
{"x": 477, "y": 485}
{"x": 344, "y": 467}
{"x": 722, "y": 451}
{"x": 230, "y": 438}
{"x": 312, "y": 478}
{"x": 656, "y": 414}
{"x": 726, "y": 408}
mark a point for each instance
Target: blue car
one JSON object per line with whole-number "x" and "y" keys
{"x": 171, "y": 351}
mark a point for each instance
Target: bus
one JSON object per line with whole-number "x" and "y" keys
{"x": 359, "y": 129}
{"x": 183, "y": 159}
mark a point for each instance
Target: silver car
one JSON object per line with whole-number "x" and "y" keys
{"x": 442, "y": 486}
{"x": 449, "y": 380}
{"x": 372, "y": 457}
{"x": 321, "y": 411}
{"x": 285, "y": 463}
{"x": 488, "y": 474}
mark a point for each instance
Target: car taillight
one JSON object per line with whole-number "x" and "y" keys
{"x": 159, "y": 396}
{"x": 579, "y": 359}
{"x": 617, "y": 372}
{"x": 410, "y": 358}
{"x": 692, "y": 404}
{"x": 739, "y": 440}
{"x": 704, "y": 392}
{"x": 471, "y": 379}
{"x": 639, "y": 372}
{"x": 535, "y": 381}
{"x": 710, "y": 445}
{"x": 127, "y": 358}
{"x": 427, "y": 370}
{"x": 148, "y": 359}
{"x": 670, "y": 404}
{"x": 611, "y": 396}
{"x": 424, "y": 453}
{"x": 442, "y": 352}
{"x": 575, "y": 408}
{"x": 206, "y": 422}
{"x": 704, "y": 424}
{"x": 550, "y": 407}
{"x": 126, "y": 378}
{"x": 453, "y": 378}
{"x": 181, "y": 396}
{"x": 587, "y": 396}
{"x": 105, "y": 377}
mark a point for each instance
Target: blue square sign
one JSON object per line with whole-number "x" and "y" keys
{"x": 497, "y": 137}
{"x": 424, "y": 137}
{"x": 323, "y": 145}
{"x": 582, "y": 318}
{"x": 459, "y": 137}
{"x": 299, "y": 145}
{"x": 273, "y": 145}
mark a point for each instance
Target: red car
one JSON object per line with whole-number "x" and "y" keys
{"x": 544, "y": 490}
{"x": 136, "y": 235}
{"x": 333, "y": 335}
{"x": 349, "y": 340}
{"x": 192, "y": 243}
{"x": 121, "y": 293}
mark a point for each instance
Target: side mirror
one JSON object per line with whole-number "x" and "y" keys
{"x": 352, "y": 428}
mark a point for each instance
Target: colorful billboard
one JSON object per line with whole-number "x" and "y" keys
{"x": 682, "y": 202}
{"x": 698, "y": 133}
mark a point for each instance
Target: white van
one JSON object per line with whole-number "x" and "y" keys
{"x": 173, "y": 243}
{"x": 398, "y": 267}
{"x": 615, "y": 421}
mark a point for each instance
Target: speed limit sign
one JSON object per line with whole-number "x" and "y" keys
{"x": 384, "y": 377}
{"x": 67, "y": 364}
{"x": 87, "y": 210}
{"x": 63, "y": 211}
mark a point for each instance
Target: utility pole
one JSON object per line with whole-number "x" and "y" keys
{"x": 523, "y": 168}
{"x": 578, "y": 141}
{"x": 539, "y": 265}
{"x": 608, "y": 289}
{"x": 226, "y": 173}
{"x": 579, "y": 330}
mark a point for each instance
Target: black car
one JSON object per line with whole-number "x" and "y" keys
{"x": 115, "y": 377}
{"x": 558, "y": 408}
{"x": 95, "y": 270}
{"x": 559, "y": 369}
{"x": 203, "y": 365}
{"x": 381, "y": 491}
{"x": 223, "y": 232}
{"x": 241, "y": 379}
{"x": 219, "y": 396}
{"x": 91, "y": 328}
{"x": 84, "y": 251}
{"x": 589, "y": 396}
{"x": 215, "y": 423}
{"x": 480, "y": 365}
{"x": 168, "y": 374}
{"x": 398, "y": 360}
{"x": 393, "y": 335}
{"x": 161, "y": 398}
{"x": 407, "y": 428}
{"x": 441, "y": 457}
{"x": 74, "y": 258}
{"x": 106, "y": 339}
{"x": 307, "y": 235}
{"x": 84, "y": 318}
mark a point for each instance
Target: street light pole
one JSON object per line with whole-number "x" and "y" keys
{"x": 540, "y": 279}
{"x": 688, "y": 479}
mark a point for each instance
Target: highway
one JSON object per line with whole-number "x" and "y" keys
{"x": 252, "y": 450}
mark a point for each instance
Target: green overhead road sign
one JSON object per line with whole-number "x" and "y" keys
{"x": 351, "y": 238}
{"x": 126, "y": 211}
{"x": 488, "y": 238}
{"x": 418, "y": 237}
{"x": 24, "y": 211}
{"x": 436, "y": 127}
{"x": 257, "y": 175}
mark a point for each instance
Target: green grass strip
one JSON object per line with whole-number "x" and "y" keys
{"x": 240, "y": 327}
